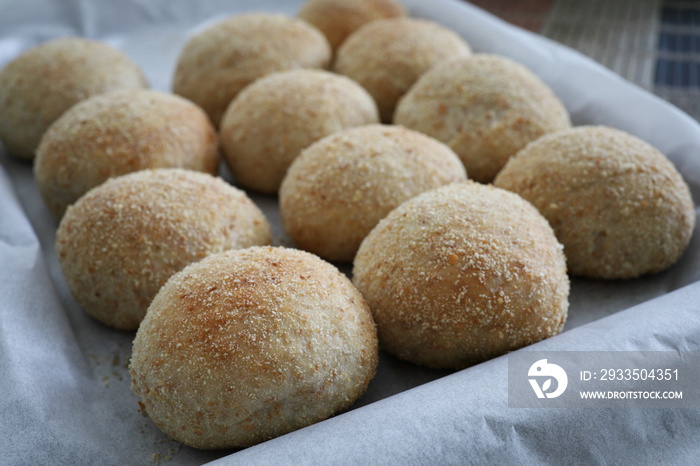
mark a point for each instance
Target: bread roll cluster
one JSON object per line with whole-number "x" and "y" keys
{"x": 238, "y": 341}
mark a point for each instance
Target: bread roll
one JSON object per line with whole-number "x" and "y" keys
{"x": 340, "y": 187}
{"x": 117, "y": 133}
{"x": 251, "y": 344}
{"x": 619, "y": 207}
{"x": 485, "y": 107}
{"x": 269, "y": 123}
{"x": 215, "y": 64}
{"x": 388, "y": 56}
{"x": 337, "y": 19}
{"x": 462, "y": 273}
{"x": 45, "y": 81}
{"x": 123, "y": 239}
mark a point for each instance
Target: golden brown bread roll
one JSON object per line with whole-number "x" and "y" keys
{"x": 45, "y": 81}
{"x": 124, "y": 238}
{"x": 485, "y": 107}
{"x": 269, "y": 123}
{"x": 339, "y": 188}
{"x": 337, "y": 19}
{"x": 251, "y": 344}
{"x": 117, "y": 133}
{"x": 462, "y": 273}
{"x": 619, "y": 206}
{"x": 215, "y": 64}
{"x": 388, "y": 56}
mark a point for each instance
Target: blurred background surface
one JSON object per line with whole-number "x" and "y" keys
{"x": 652, "y": 43}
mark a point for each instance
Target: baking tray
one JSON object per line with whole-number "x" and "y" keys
{"x": 64, "y": 377}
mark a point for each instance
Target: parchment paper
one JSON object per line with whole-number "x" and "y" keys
{"x": 63, "y": 377}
